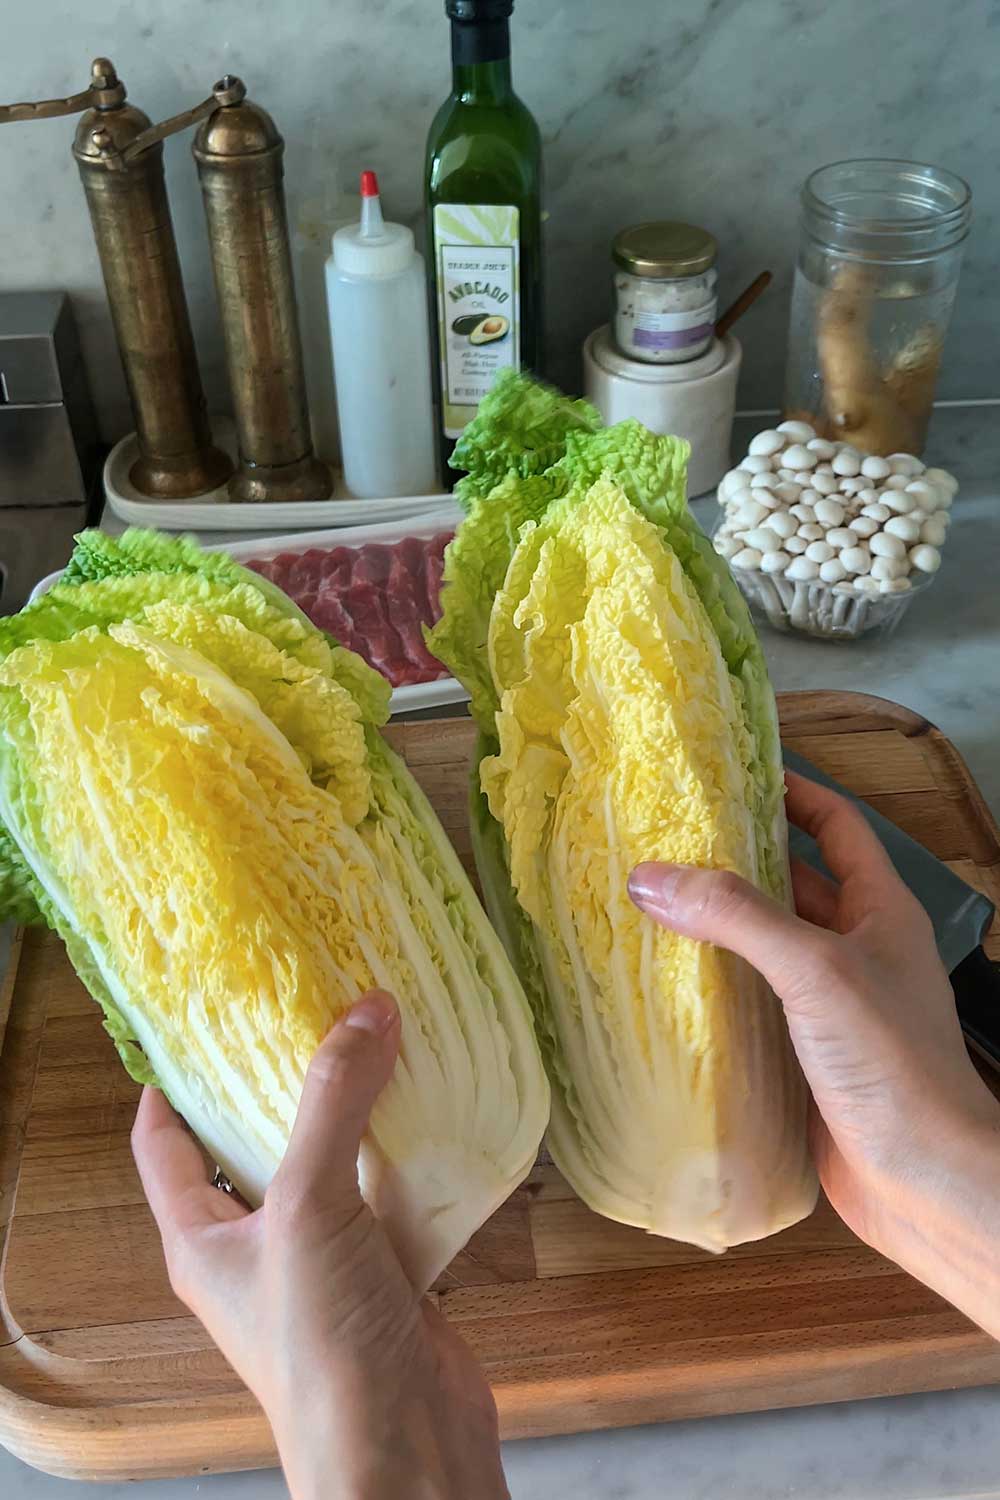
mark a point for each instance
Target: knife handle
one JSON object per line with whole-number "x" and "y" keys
{"x": 976, "y": 983}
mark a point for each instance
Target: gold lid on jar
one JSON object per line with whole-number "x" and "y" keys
{"x": 663, "y": 250}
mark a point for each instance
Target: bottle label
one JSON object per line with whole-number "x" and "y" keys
{"x": 676, "y": 330}
{"x": 477, "y": 253}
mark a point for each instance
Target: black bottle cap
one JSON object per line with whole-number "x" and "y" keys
{"x": 479, "y": 10}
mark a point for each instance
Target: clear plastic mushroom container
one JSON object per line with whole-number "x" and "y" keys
{"x": 826, "y": 540}
{"x": 829, "y": 612}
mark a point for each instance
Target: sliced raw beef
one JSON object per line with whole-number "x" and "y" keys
{"x": 305, "y": 572}
{"x": 337, "y": 565}
{"x": 433, "y": 574}
{"x": 267, "y": 567}
{"x": 374, "y": 599}
{"x": 382, "y": 645}
{"x": 329, "y": 614}
{"x": 408, "y": 612}
{"x": 411, "y": 554}
{"x": 372, "y": 563}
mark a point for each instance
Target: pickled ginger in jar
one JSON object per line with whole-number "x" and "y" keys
{"x": 880, "y": 247}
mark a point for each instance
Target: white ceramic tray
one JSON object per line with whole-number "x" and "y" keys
{"x": 406, "y": 699}
{"x": 216, "y": 512}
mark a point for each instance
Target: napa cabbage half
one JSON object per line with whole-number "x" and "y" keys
{"x": 195, "y": 790}
{"x": 626, "y": 716}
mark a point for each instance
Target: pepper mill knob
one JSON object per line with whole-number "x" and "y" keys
{"x": 229, "y": 90}
{"x": 102, "y": 73}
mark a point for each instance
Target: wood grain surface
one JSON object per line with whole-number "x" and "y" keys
{"x": 580, "y": 1322}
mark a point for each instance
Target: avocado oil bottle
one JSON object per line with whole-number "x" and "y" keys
{"x": 483, "y": 219}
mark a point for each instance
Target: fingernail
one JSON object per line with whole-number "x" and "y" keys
{"x": 374, "y": 1012}
{"x": 653, "y": 886}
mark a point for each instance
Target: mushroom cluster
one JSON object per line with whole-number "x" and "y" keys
{"x": 806, "y": 509}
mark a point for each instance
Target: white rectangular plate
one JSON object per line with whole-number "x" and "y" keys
{"x": 216, "y": 512}
{"x": 406, "y": 699}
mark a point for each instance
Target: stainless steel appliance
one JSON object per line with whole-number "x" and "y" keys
{"x": 50, "y": 456}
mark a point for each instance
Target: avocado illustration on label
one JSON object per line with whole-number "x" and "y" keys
{"x": 465, "y": 325}
{"x": 489, "y": 330}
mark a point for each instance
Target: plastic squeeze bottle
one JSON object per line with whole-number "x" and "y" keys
{"x": 377, "y": 297}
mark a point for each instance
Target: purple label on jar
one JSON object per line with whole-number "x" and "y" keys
{"x": 674, "y": 338}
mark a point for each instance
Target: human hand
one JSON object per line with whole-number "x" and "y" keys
{"x": 900, "y": 1109}
{"x": 367, "y": 1389}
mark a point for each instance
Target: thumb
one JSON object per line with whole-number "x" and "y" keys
{"x": 717, "y": 906}
{"x": 349, "y": 1071}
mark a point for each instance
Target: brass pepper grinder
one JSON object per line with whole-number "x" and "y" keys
{"x": 127, "y": 198}
{"x": 239, "y": 154}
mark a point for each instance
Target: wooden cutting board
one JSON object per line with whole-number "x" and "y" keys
{"x": 580, "y": 1322}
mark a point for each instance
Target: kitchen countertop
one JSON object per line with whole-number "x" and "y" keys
{"x": 944, "y": 663}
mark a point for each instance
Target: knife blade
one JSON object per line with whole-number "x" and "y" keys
{"x": 961, "y": 916}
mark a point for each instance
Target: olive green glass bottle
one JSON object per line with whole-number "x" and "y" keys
{"x": 484, "y": 168}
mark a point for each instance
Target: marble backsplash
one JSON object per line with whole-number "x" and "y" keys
{"x": 707, "y": 110}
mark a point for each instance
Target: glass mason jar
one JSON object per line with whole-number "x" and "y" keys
{"x": 879, "y": 255}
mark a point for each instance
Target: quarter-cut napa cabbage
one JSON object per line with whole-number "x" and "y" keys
{"x": 626, "y": 716}
{"x": 203, "y": 808}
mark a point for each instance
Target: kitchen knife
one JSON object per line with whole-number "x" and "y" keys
{"x": 960, "y": 915}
